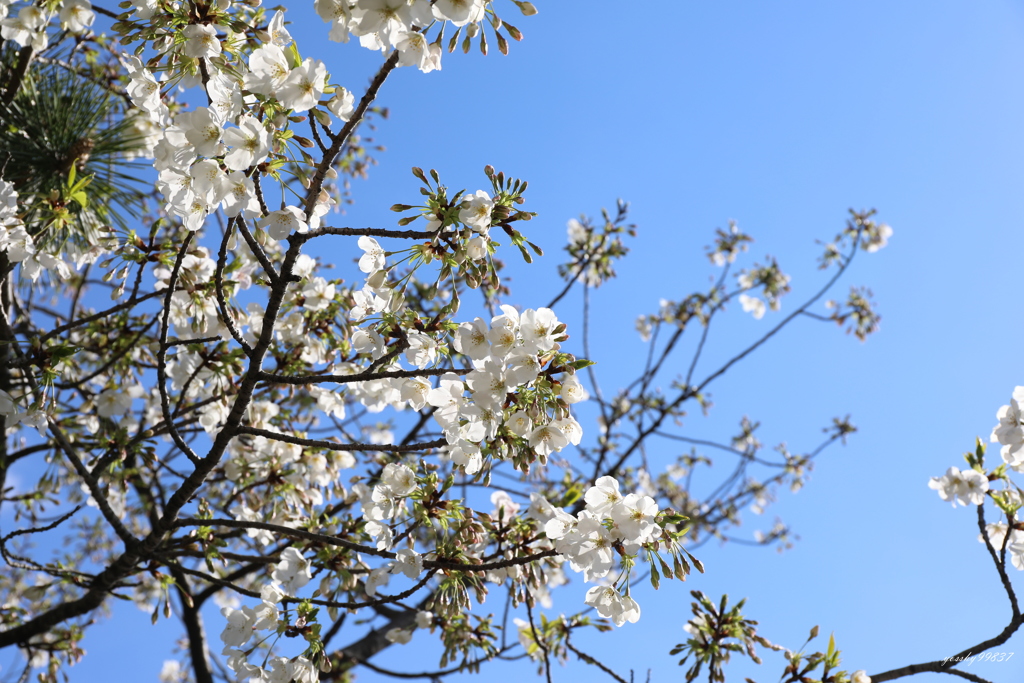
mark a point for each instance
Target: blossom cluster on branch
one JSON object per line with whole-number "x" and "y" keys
{"x": 234, "y": 424}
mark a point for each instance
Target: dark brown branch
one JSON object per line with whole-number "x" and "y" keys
{"x": 338, "y": 141}
{"x": 359, "y": 377}
{"x": 161, "y": 356}
{"x": 257, "y": 250}
{"x": 946, "y": 665}
{"x": 193, "y": 620}
{"x": 964, "y": 674}
{"x": 218, "y": 280}
{"x": 689, "y": 392}
{"x": 18, "y": 75}
{"x": 371, "y": 232}
{"x": 590, "y": 660}
{"x": 335, "y": 446}
{"x": 94, "y": 486}
{"x": 540, "y": 641}
{"x": 98, "y": 316}
{"x": 342, "y": 543}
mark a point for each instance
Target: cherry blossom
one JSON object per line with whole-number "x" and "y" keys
{"x": 201, "y": 41}
{"x": 611, "y": 605}
{"x": 476, "y": 211}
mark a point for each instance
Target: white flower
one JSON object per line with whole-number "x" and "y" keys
{"x": 519, "y": 423}
{"x": 240, "y": 626}
{"x": 342, "y": 104}
{"x": 572, "y": 391}
{"x": 476, "y": 248}
{"x": 373, "y": 259}
{"x": 225, "y": 92}
{"x": 752, "y": 305}
{"x": 303, "y": 671}
{"x": 76, "y": 15}
{"x": 318, "y": 294}
{"x": 611, "y": 605}
{"x": 471, "y": 339}
{"x": 388, "y": 18}
{"x": 422, "y": 350}
{"x": 283, "y": 222}
{"x": 860, "y": 676}
{"x": 634, "y": 518}
{"x": 967, "y": 487}
{"x": 278, "y": 33}
{"x": 304, "y": 86}
{"x": 202, "y": 129}
{"x": 603, "y": 495}
{"x": 538, "y": 329}
{"x": 171, "y": 672}
{"x": 415, "y": 391}
{"x": 292, "y": 571}
{"x": 467, "y": 455}
{"x": 240, "y": 197}
{"x": 1010, "y": 431}
{"x": 408, "y": 562}
{"x": 459, "y": 12}
{"x": 571, "y": 428}
{"x": 377, "y": 578}
{"x": 546, "y": 439}
{"x": 413, "y": 49}
{"x": 875, "y": 237}
{"x": 271, "y": 594}
{"x": 399, "y": 636}
{"x": 399, "y": 479}
{"x": 524, "y": 367}
{"x": 113, "y": 402}
{"x": 8, "y": 204}
{"x": 268, "y": 70}
{"x": 209, "y": 181}
{"x": 251, "y": 144}
{"x": 26, "y": 28}
{"x": 200, "y": 41}
{"x": 504, "y": 507}
{"x": 488, "y": 383}
{"x": 476, "y": 211}
{"x": 145, "y": 8}
{"x": 338, "y": 14}
{"x": 144, "y": 90}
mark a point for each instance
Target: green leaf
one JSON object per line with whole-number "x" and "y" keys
{"x": 294, "y": 59}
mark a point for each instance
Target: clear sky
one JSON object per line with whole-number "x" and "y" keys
{"x": 781, "y": 116}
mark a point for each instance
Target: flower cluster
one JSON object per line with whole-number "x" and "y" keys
{"x": 966, "y": 488}
{"x": 245, "y": 624}
{"x": 28, "y": 26}
{"x": 609, "y": 527}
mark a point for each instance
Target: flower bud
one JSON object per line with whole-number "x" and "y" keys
{"x": 526, "y": 8}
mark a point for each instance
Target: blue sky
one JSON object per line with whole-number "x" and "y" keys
{"x": 780, "y": 116}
